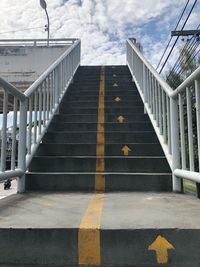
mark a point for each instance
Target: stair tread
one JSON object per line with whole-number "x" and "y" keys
{"x": 141, "y": 210}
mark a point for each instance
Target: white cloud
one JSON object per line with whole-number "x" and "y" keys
{"x": 102, "y": 25}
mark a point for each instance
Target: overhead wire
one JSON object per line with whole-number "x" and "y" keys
{"x": 171, "y": 36}
{"x": 172, "y": 48}
{"x": 188, "y": 50}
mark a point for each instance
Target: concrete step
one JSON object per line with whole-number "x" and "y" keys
{"x": 128, "y": 118}
{"x": 77, "y": 91}
{"x": 110, "y": 137}
{"x": 82, "y": 149}
{"x": 136, "y": 126}
{"x": 94, "y": 104}
{"x": 64, "y": 109}
{"x": 88, "y": 164}
{"x": 142, "y": 182}
{"x": 87, "y": 98}
{"x": 47, "y": 227}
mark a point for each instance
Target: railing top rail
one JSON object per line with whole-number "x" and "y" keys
{"x": 187, "y": 82}
{"x": 168, "y": 90}
{"x": 39, "y": 81}
{"x": 36, "y": 42}
{"x": 12, "y": 89}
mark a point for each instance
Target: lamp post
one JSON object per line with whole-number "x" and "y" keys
{"x": 44, "y": 6}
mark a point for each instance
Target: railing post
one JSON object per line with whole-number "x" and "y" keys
{"x": 22, "y": 145}
{"x": 177, "y": 183}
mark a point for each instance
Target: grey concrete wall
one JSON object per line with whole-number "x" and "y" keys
{"x": 23, "y": 65}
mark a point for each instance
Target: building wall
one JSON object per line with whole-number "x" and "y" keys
{"x": 23, "y": 65}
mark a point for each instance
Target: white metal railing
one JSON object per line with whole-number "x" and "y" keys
{"x": 175, "y": 116}
{"x": 33, "y": 110}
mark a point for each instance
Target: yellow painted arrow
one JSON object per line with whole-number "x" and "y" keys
{"x": 120, "y": 119}
{"x": 160, "y": 246}
{"x": 117, "y": 99}
{"x": 115, "y": 85}
{"x": 125, "y": 150}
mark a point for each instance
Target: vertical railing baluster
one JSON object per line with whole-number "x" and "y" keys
{"x": 44, "y": 103}
{"x": 30, "y": 124}
{"x": 4, "y": 132}
{"x": 190, "y": 129}
{"x": 40, "y": 111}
{"x": 164, "y": 117}
{"x": 160, "y": 109}
{"x": 35, "y": 118}
{"x": 174, "y": 133}
{"x": 14, "y": 133}
{"x": 197, "y": 93}
{"x": 182, "y": 133}
{"x": 168, "y": 125}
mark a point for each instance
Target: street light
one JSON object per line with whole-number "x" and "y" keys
{"x": 44, "y": 6}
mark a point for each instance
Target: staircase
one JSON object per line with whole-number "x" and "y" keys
{"x": 98, "y": 190}
{"x": 66, "y": 159}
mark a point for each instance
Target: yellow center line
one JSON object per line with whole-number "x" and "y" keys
{"x": 89, "y": 230}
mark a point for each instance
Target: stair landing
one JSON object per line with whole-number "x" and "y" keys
{"x": 44, "y": 228}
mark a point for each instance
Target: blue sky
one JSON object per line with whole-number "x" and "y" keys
{"x": 102, "y": 25}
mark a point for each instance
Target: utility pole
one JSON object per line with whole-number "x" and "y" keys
{"x": 186, "y": 33}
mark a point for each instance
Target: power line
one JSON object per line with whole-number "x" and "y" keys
{"x": 190, "y": 47}
{"x": 27, "y": 29}
{"x": 174, "y": 30}
{"x": 178, "y": 36}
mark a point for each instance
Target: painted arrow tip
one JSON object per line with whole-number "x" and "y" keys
{"x": 117, "y": 99}
{"x": 161, "y": 245}
{"x": 125, "y": 149}
{"x": 120, "y": 119}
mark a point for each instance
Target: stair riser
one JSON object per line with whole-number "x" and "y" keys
{"x": 60, "y": 127}
{"x": 69, "y": 164}
{"x": 91, "y": 137}
{"x": 78, "y": 91}
{"x": 86, "y": 182}
{"x": 93, "y": 118}
{"x": 90, "y": 150}
{"x": 59, "y": 247}
{"x": 66, "y": 110}
{"x": 81, "y": 98}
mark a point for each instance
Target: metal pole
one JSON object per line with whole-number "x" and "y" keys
{"x": 22, "y": 145}
{"x": 48, "y": 27}
{"x": 177, "y": 183}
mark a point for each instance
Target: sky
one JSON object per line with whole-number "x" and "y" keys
{"x": 102, "y": 25}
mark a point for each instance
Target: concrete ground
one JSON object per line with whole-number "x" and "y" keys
{"x": 11, "y": 191}
{"x": 120, "y": 210}
{"x": 136, "y": 229}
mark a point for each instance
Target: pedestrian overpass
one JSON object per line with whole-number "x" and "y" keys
{"x": 101, "y": 159}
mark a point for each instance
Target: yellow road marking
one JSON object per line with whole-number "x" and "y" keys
{"x": 125, "y": 150}
{"x": 100, "y": 166}
{"x": 89, "y": 231}
{"x": 161, "y": 246}
{"x": 89, "y": 234}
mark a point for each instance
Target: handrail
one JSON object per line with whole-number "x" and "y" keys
{"x": 162, "y": 82}
{"x": 43, "y": 76}
{"x": 12, "y": 89}
{"x": 186, "y": 83}
{"x": 175, "y": 116}
{"x": 33, "y": 111}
